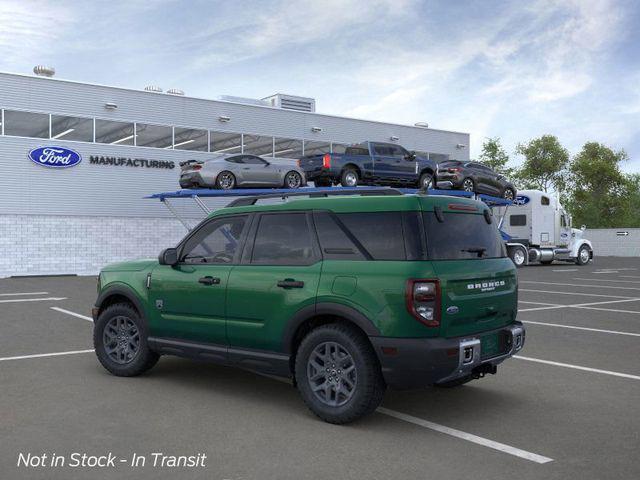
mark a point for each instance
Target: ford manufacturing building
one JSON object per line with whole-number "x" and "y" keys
{"x": 129, "y": 144}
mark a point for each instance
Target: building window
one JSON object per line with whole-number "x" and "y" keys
{"x": 257, "y": 145}
{"x": 438, "y": 157}
{"x": 26, "y": 124}
{"x": 157, "y": 136}
{"x": 287, "y": 148}
{"x": 316, "y": 148}
{"x": 115, "y": 133}
{"x": 338, "y": 148}
{"x": 190, "y": 139}
{"x": 71, "y": 128}
{"x": 225, "y": 142}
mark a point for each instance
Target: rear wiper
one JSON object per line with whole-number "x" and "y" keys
{"x": 479, "y": 250}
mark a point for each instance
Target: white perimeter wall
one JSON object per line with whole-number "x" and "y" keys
{"x": 611, "y": 242}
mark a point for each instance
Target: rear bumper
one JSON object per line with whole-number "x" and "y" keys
{"x": 409, "y": 363}
{"x": 189, "y": 180}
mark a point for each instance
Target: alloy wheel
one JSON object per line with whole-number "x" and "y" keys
{"x": 518, "y": 257}
{"x": 351, "y": 179}
{"x": 467, "y": 185}
{"x": 121, "y": 339}
{"x": 226, "y": 181}
{"x": 584, "y": 255}
{"x": 508, "y": 194}
{"x": 332, "y": 375}
{"x": 293, "y": 180}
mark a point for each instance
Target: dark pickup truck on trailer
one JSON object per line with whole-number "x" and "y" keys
{"x": 370, "y": 163}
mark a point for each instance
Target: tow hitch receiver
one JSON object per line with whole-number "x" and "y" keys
{"x": 483, "y": 369}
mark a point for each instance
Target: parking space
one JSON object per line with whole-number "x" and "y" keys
{"x": 568, "y": 408}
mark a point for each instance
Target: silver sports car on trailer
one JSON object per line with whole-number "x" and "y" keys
{"x": 241, "y": 170}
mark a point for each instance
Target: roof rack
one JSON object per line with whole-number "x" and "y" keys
{"x": 316, "y": 192}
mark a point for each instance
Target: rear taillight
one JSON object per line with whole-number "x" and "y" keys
{"x": 326, "y": 161}
{"x": 298, "y": 162}
{"x": 196, "y": 167}
{"x": 454, "y": 170}
{"x": 423, "y": 301}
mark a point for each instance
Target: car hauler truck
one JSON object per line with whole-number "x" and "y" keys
{"x": 539, "y": 231}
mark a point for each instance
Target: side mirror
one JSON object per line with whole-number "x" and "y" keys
{"x": 583, "y": 228}
{"x": 168, "y": 256}
{"x": 411, "y": 156}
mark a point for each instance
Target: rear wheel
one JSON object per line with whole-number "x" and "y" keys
{"x": 468, "y": 185}
{"x": 349, "y": 178}
{"x": 225, "y": 180}
{"x": 338, "y": 374}
{"x": 584, "y": 255}
{"x": 120, "y": 341}
{"x": 292, "y": 180}
{"x": 508, "y": 194}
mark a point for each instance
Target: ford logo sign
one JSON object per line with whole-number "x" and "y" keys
{"x": 452, "y": 310}
{"x": 55, "y": 157}
{"x": 521, "y": 200}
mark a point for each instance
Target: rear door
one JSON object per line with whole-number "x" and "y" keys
{"x": 188, "y": 299}
{"x": 278, "y": 276}
{"x": 478, "y": 282}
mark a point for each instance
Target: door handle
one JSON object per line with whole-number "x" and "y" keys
{"x": 209, "y": 280}
{"x": 290, "y": 283}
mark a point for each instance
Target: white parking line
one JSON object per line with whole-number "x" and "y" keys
{"x": 615, "y": 332}
{"x": 469, "y": 437}
{"x": 579, "y": 285}
{"x": 552, "y": 307}
{"x": 605, "y": 280}
{"x": 540, "y": 303}
{"x": 629, "y": 276}
{"x": 588, "y": 306}
{"x": 607, "y": 309}
{"x": 27, "y": 293}
{"x": 16, "y": 300}
{"x": 40, "y": 355}
{"x": 578, "y": 367}
{"x": 576, "y": 293}
{"x": 566, "y": 270}
{"x": 74, "y": 314}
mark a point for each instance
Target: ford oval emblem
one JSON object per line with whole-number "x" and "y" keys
{"x": 55, "y": 157}
{"x": 521, "y": 200}
{"x": 452, "y": 310}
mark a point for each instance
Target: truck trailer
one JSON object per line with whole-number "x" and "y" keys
{"x": 538, "y": 230}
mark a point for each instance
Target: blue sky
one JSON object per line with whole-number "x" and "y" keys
{"x": 515, "y": 69}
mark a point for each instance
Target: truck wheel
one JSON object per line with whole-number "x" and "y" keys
{"x": 584, "y": 255}
{"x": 338, "y": 374}
{"x": 455, "y": 383}
{"x": 468, "y": 185}
{"x": 349, "y": 178}
{"x": 225, "y": 180}
{"x": 120, "y": 341}
{"x": 426, "y": 181}
{"x": 518, "y": 256}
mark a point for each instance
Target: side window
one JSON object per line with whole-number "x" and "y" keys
{"x": 334, "y": 242}
{"x": 517, "y": 220}
{"x": 253, "y": 160}
{"x": 283, "y": 239}
{"x": 380, "y": 233}
{"x": 216, "y": 242}
{"x": 238, "y": 159}
{"x": 544, "y": 201}
{"x": 398, "y": 151}
{"x": 563, "y": 221}
{"x": 381, "y": 150}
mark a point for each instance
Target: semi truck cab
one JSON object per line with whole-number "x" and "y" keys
{"x": 539, "y": 230}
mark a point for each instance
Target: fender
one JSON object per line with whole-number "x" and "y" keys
{"x": 119, "y": 289}
{"x": 576, "y": 246}
{"x": 325, "y": 308}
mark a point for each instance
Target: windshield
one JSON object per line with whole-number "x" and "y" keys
{"x": 462, "y": 236}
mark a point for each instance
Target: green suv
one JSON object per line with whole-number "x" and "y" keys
{"x": 345, "y": 295}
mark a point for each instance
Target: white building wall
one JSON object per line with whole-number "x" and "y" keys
{"x": 612, "y": 242}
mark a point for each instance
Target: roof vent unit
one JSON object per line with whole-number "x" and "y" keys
{"x": 244, "y": 100}
{"x": 291, "y": 102}
{"x": 175, "y": 91}
{"x": 43, "y": 71}
{"x": 153, "y": 88}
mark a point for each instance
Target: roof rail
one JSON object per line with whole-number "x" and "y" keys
{"x": 246, "y": 201}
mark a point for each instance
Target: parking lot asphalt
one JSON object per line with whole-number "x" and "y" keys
{"x": 567, "y": 408}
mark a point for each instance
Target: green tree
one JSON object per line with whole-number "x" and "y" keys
{"x": 599, "y": 194}
{"x": 545, "y": 164}
{"x": 494, "y": 156}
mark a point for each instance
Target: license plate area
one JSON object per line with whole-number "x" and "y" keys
{"x": 494, "y": 344}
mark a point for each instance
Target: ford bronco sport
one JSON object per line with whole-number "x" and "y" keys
{"x": 345, "y": 295}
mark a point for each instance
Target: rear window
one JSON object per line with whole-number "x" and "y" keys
{"x": 462, "y": 236}
{"x": 357, "y": 151}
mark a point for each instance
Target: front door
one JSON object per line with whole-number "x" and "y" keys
{"x": 278, "y": 276}
{"x": 188, "y": 299}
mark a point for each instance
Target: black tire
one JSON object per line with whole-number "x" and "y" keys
{"x": 509, "y": 194}
{"x": 546, "y": 262}
{"x": 426, "y": 181}
{"x": 583, "y": 258}
{"x": 346, "y": 179}
{"x": 455, "y": 383}
{"x": 292, "y": 180}
{"x": 468, "y": 185}
{"x": 143, "y": 359}
{"x": 322, "y": 183}
{"x": 225, "y": 180}
{"x": 368, "y": 384}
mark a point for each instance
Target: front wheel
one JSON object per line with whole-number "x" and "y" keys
{"x": 584, "y": 255}
{"x": 338, "y": 374}
{"x": 226, "y": 180}
{"x": 518, "y": 256}
{"x": 120, "y": 341}
{"x": 426, "y": 181}
{"x": 292, "y": 180}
